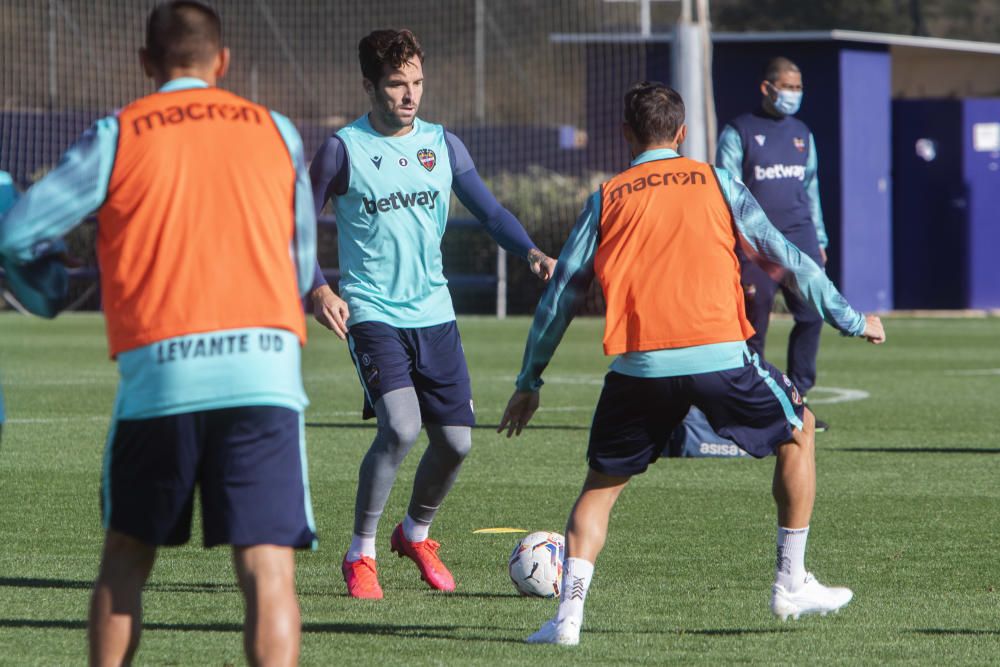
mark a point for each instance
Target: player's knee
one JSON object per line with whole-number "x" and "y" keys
{"x": 265, "y": 570}
{"x": 457, "y": 441}
{"x": 118, "y": 543}
{"x": 125, "y": 556}
{"x": 401, "y": 433}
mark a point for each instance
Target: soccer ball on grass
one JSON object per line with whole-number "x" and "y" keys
{"x": 536, "y": 564}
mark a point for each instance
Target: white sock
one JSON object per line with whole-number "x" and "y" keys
{"x": 361, "y": 546}
{"x": 790, "y": 566}
{"x": 415, "y": 532}
{"x": 577, "y": 574}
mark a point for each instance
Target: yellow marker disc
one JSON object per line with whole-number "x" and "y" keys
{"x": 496, "y": 531}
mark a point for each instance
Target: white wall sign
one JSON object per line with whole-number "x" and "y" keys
{"x": 986, "y": 137}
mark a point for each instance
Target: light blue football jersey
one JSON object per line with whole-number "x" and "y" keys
{"x": 390, "y": 223}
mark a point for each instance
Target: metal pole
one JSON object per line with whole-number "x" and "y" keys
{"x": 501, "y": 283}
{"x": 686, "y": 61}
{"x": 685, "y": 11}
{"x": 711, "y": 122}
{"x": 480, "y": 77}
{"x": 480, "y": 61}
{"x": 645, "y": 18}
{"x": 53, "y": 81}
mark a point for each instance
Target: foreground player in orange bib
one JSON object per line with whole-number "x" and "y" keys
{"x": 661, "y": 238}
{"x": 200, "y": 195}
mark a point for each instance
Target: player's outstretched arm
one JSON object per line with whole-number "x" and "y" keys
{"x": 562, "y": 297}
{"x": 520, "y": 409}
{"x": 768, "y": 248}
{"x": 330, "y": 310}
{"x": 77, "y": 186}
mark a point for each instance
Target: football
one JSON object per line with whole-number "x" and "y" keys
{"x": 536, "y": 564}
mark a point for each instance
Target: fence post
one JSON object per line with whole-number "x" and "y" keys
{"x": 53, "y": 80}
{"x": 501, "y": 283}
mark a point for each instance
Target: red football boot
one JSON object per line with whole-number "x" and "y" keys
{"x": 424, "y": 554}
{"x": 361, "y": 578}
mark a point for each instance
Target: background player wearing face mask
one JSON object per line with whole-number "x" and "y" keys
{"x": 776, "y": 157}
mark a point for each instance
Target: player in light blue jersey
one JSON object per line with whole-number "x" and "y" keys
{"x": 390, "y": 175}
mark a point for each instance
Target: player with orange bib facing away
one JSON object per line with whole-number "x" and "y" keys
{"x": 200, "y": 195}
{"x": 390, "y": 175}
{"x": 680, "y": 341}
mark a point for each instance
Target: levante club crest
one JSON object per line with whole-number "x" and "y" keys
{"x": 427, "y": 158}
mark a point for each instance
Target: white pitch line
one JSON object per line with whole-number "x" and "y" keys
{"x": 840, "y": 395}
{"x": 59, "y": 382}
{"x": 976, "y": 371}
{"x": 837, "y": 394}
{"x": 57, "y": 420}
{"x": 596, "y": 380}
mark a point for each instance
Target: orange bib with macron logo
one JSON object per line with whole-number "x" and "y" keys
{"x": 195, "y": 234}
{"x": 667, "y": 259}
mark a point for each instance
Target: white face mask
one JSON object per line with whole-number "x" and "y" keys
{"x": 787, "y": 102}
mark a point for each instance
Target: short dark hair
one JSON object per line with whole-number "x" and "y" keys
{"x": 387, "y": 47}
{"x": 654, "y": 111}
{"x": 778, "y": 66}
{"x": 182, "y": 33}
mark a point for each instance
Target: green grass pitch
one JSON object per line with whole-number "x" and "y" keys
{"x": 907, "y": 515}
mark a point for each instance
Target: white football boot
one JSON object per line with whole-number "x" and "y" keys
{"x": 564, "y": 633}
{"x": 811, "y": 597}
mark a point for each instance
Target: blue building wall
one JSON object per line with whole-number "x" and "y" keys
{"x": 929, "y": 204}
{"x": 947, "y": 203}
{"x": 981, "y": 171}
{"x": 865, "y": 172}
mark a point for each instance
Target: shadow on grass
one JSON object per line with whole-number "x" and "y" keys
{"x": 494, "y": 596}
{"x": 82, "y": 625}
{"x": 415, "y": 631}
{"x": 919, "y": 450}
{"x": 381, "y": 629}
{"x": 157, "y": 587}
{"x": 735, "y": 632}
{"x": 186, "y": 587}
{"x": 453, "y": 632}
{"x": 956, "y": 631}
{"x": 37, "y": 623}
{"x": 478, "y": 427}
{"x": 28, "y": 582}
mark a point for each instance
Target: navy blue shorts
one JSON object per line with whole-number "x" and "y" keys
{"x": 755, "y": 406}
{"x": 248, "y": 463}
{"x": 429, "y": 359}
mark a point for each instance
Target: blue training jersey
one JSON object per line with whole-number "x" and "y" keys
{"x": 575, "y": 272}
{"x": 776, "y": 158}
